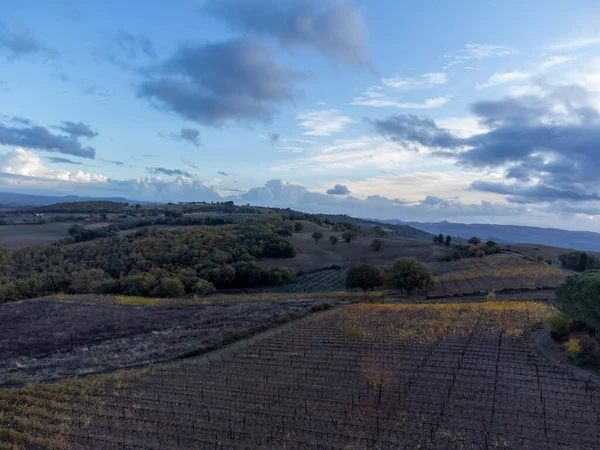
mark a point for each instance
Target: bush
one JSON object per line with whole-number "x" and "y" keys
{"x": 558, "y": 325}
{"x": 364, "y": 276}
{"x": 455, "y": 256}
{"x": 169, "y": 288}
{"x": 480, "y": 253}
{"x": 491, "y": 296}
{"x": 88, "y": 280}
{"x": 317, "y": 236}
{"x": 575, "y": 349}
{"x": 579, "y": 298}
{"x": 377, "y": 245}
{"x": 298, "y": 227}
{"x": 349, "y": 236}
{"x": 474, "y": 240}
{"x": 333, "y": 240}
{"x": 540, "y": 258}
{"x": 204, "y": 287}
{"x": 409, "y": 275}
{"x": 284, "y": 232}
{"x": 350, "y": 332}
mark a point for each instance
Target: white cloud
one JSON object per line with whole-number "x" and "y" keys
{"x": 478, "y": 52}
{"x": 462, "y": 127}
{"x": 575, "y": 44}
{"x": 28, "y": 164}
{"x": 324, "y": 122}
{"x": 503, "y": 78}
{"x": 556, "y": 60}
{"x": 427, "y": 80}
{"x": 386, "y": 102}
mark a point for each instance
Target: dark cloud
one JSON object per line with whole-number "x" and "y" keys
{"x": 223, "y": 173}
{"x": 19, "y": 42}
{"x": 274, "y": 137}
{"x": 94, "y": 90}
{"x": 339, "y": 189}
{"x": 114, "y": 163}
{"x": 332, "y": 27}
{"x": 215, "y": 83}
{"x": 547, "y": 143}
{"x": 78, "y": 129}
{"x": 190, "y": 135}
{"x": 40, "y": 138}
{"x": 169, "y": 172}
{"x": 54, "y": 159}
{"x": 135, "y": 45}
{"x": 189, "y": 163}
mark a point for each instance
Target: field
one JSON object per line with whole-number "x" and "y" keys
{"x": 548, "y": 252}
{"x": 316, "y": 255}
{"x": 17, "y": 236}
{"x": 435, "y": 376}
{"x": 37, "y": 343}
{"x": 493, "y": 273}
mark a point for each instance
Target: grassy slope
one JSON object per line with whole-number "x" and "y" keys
{"x": 549, "y": 252}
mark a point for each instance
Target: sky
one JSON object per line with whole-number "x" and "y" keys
{"x": 465, "y": 111}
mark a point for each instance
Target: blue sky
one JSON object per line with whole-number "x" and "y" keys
{"x": 466, "y": 111}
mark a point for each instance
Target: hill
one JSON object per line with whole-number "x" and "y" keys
{"x": 11, "y": 200}
{"x": 579, "y": 240}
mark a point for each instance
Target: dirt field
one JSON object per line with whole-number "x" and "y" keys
{"x": 452, "y": 376}
{"x": 43, "y": 339}
{"x": 17, "y": 236}
{"x": 315, "y": 255}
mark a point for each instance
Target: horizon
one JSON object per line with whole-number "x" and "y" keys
{"x": 339, "y": 107}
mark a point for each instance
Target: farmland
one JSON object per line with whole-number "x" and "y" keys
{"x": 452, "y": 376}
{"x": 29, "y": 235}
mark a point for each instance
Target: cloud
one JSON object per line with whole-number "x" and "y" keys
{"x": 333, "y": 27}
{"x": 478, "y": 52}
{"x": 575, "y": 44}
{"x": 338, "y": 189}
{"x": 40, "y": 138}
{"x": 215, "y": 83}
{"x": 135, "y": 45}
{"x": 169, "y": 172}
{"x": 190, "y": 135}
{"x": 223, "y": 173}
{"x": 189, "y": 163}
{"x": 273, "y": 137}
{"x": 77, "y": 130}
{"x": 426, "y": 81}
{"x": 23, "y": 163}
{"x": 429, "y": 103}
{"x": 54, "y": 159}
{"x": 323, "y": 122}
{"x": 547, "y": 143}
{"x": 556, "y": 60}
{"x": 20, "y": 42}
{"x": 503, "y": 78}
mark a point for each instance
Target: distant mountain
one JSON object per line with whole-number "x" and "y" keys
{"x": 579, "y": 240}
{"x": 10, "y": 200}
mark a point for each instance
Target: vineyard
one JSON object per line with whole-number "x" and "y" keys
{"x": 321, "y": 281}
{"x": 493, "y": 274}
{"x": 447, "y": 376}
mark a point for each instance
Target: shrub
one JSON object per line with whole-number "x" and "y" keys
{"x": 349, "y": 235}
{"x": 284, "y": 232}
{"x": 317, "y": 236}
{"x": 364, "y": 276}
{"x": 540, "y": 258}
{"x": 409, "y": 275}
{"x": 377, "y": 245}
{"x": 204, "y": 287}
{"x": 491, "y": 296}
{"x": 474, "y": 240}
{"x": 480, "y": 253}
{"x": 455, "y": 256}
{"x": 575, "y": 349}
{"x": 350, "y": 332}
{"x": 448, "y": 240}
{"x": 298, "y": 227}
{"x": 333, "y": 240}
{"x": 558, "y": 325}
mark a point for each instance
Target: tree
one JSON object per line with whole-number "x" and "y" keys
{"x": 103, "y": 216}
{"x": 87, "y": 280}
{"x": 333, "y": 240}
{"x": 583, "y": 258}
{"x": 480, "y": 253}
{"x": 298, "y": 227}
{"x": 435, "y": 238}
{"x": 490, "y": 247}
{"x": 440, "y": 238}
{"x": 379, "y": 231}
{"x": 204, "y": 287}
{"x": 377, "y": 245}
{"x": 448, "y": 239}
{"x": 317, "y": 236}
{"x": 169, "y": 288}
{"x": 579, "y": 297}
{"x": 409, "y": 275}
{"x": 455, "y": 256}
{"x": 474, "y": 240}
{"x": 349, "y": 235}
{"x": 364, "y": 276}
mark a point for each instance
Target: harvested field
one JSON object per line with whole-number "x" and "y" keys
{"x": 321, "y": 281}
{"x": 493, "y": 273}
{"x": 29, "y": 235}
{"x": 44, "y": 339}
{"x": 451, "y": 376}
